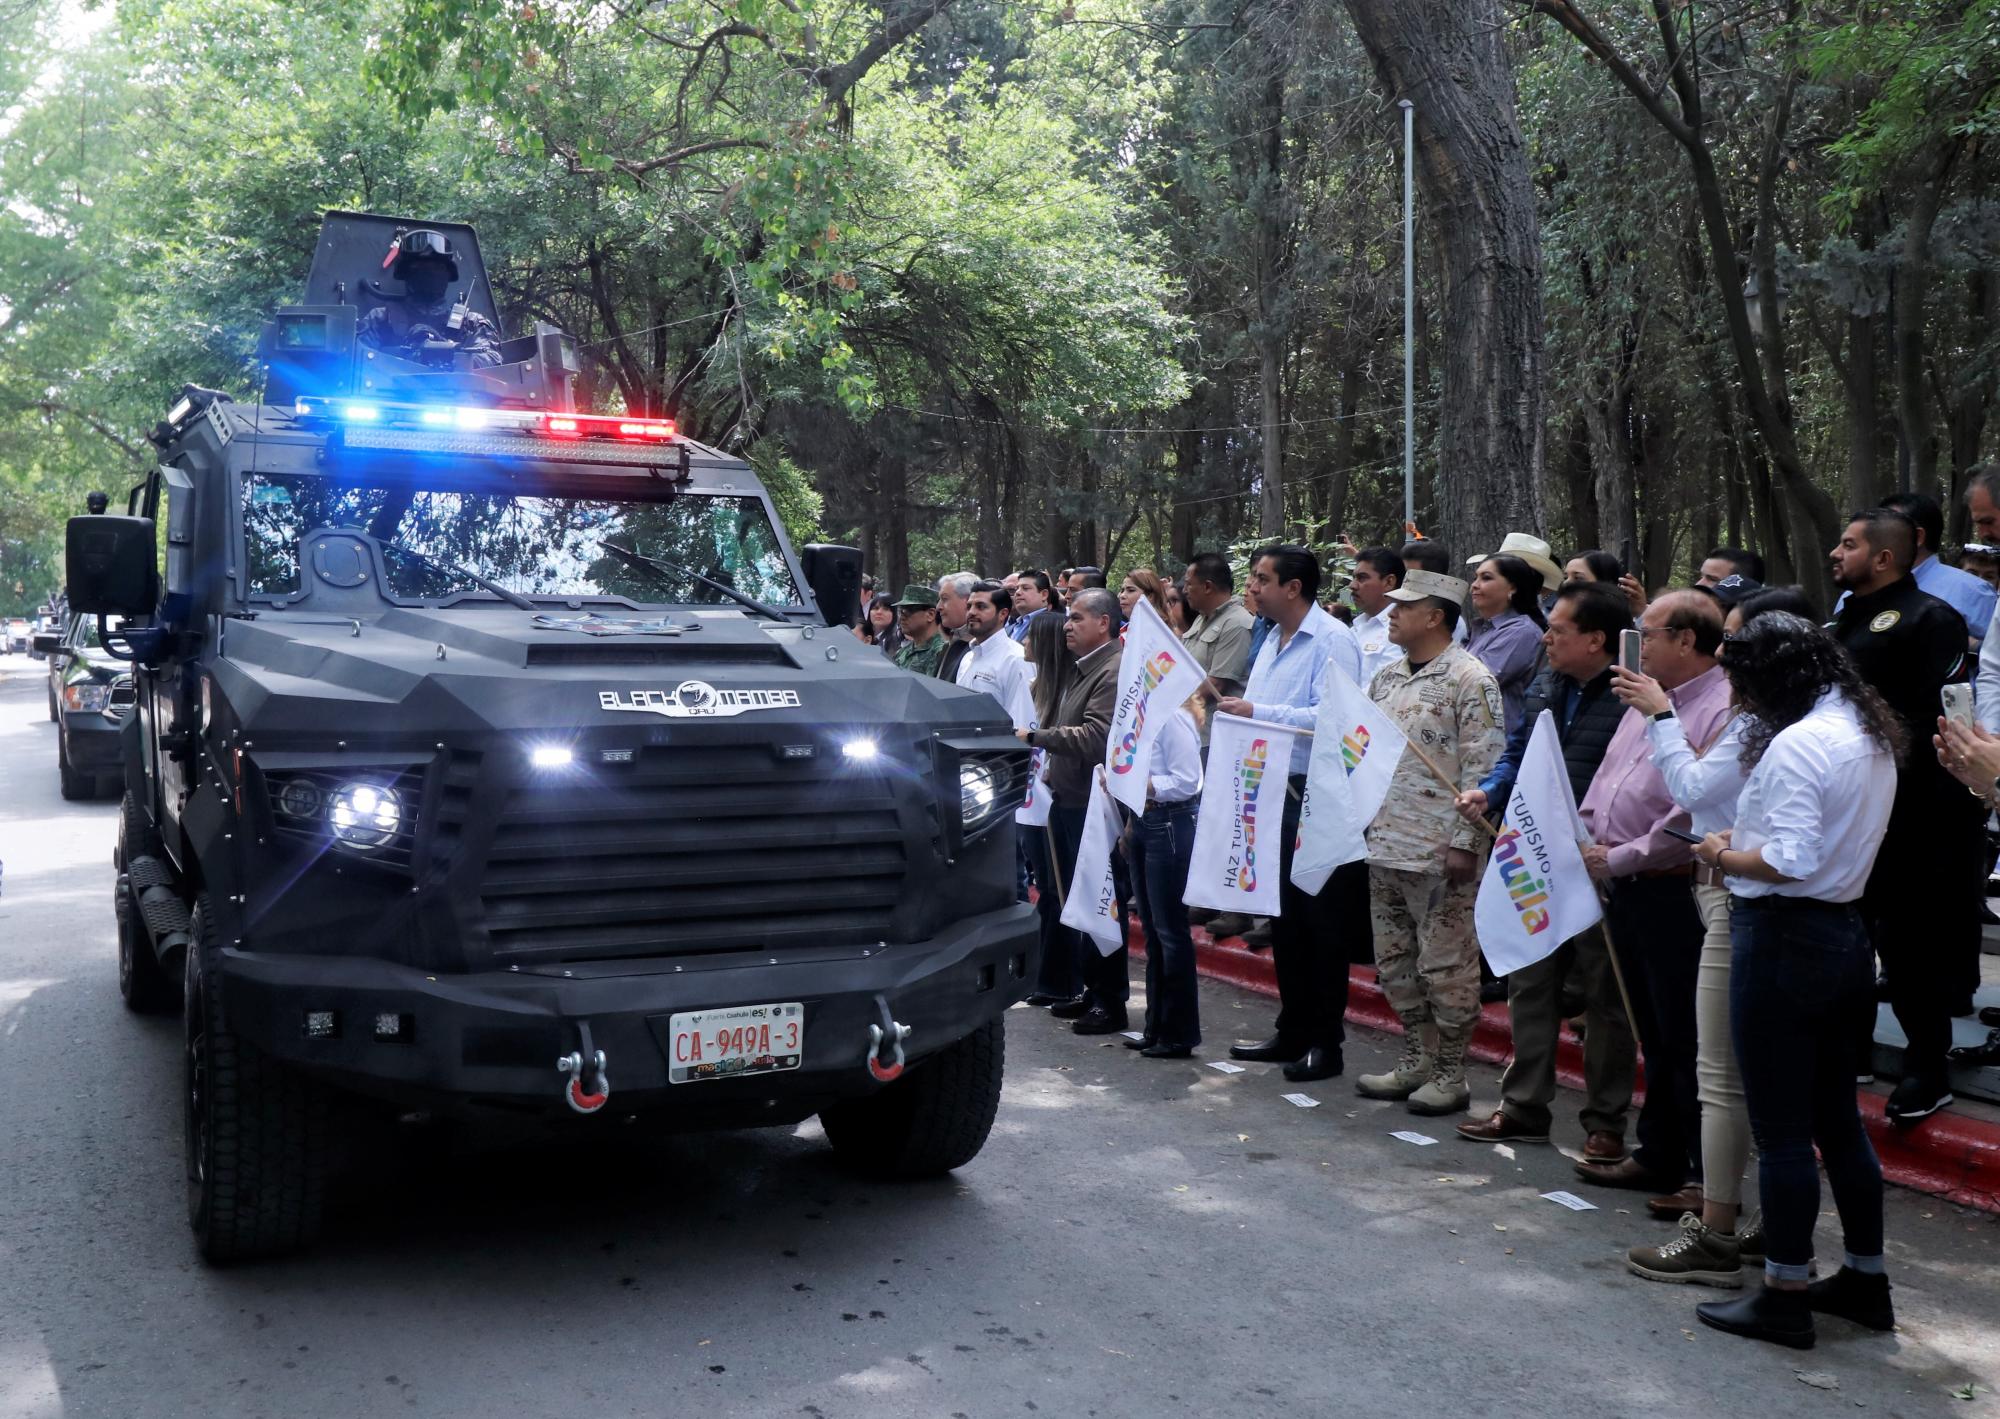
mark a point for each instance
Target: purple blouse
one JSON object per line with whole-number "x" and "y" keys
{"x": 1509, "y": 645}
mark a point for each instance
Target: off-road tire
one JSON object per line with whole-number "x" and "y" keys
{"x": 75, "y": 786}
{"x": 933, "y": 1119}
{"x": 259, "y": 1136}
{"x": 142, "y": 982}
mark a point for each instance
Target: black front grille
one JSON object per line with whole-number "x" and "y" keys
{"x": 723, "y": 848}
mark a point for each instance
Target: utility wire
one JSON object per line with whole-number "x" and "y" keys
{"x": 1397, "y": 412}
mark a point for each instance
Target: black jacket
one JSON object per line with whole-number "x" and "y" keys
{"x": 1909, "y": 645}
{"x": 1593, "y": 715}
{"x": 1075, "y": 740}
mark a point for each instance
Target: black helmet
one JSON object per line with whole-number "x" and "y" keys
{"x": 423, "y": 244}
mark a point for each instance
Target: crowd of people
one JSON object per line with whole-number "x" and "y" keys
{"x": 1761, "y": 795}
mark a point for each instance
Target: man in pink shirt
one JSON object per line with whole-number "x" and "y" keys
{"x": 1652, "y": 918}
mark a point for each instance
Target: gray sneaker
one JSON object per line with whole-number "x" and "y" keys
{"x": 1699, "y": 1256}
{"x": 1750, "y": 1241}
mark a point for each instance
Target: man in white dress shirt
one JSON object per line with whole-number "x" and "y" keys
{"x": 1377, "y": 572}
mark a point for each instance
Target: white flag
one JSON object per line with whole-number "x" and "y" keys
{"x": 1034, "y": 809}
{"x": 1239, "y": 833}
{"x": 1356, "y": 747}
{"x": 1092, "y": 903}
{"x": 1155, "y": 677}
{"x": 1536, "y": 893}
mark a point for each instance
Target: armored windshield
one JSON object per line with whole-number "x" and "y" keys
{"x": 536, "y": 546}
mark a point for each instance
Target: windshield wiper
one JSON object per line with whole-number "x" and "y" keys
{"x": 512, "y": 598}
{"x": 665, "y": 569}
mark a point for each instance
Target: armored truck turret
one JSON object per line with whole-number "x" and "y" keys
{"x": 492, "y": 756}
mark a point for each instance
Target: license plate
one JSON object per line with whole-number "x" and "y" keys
{"x": 736, "y": 1042}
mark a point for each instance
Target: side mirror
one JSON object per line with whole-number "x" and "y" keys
{"x": 47, "y": 643}
{"x": 111, "y": 567}
{"x": 834, "y": 573}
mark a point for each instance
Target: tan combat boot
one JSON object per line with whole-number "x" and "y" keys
{"x": 1407, "y": 1074}
{"x": 1446, "y": 1091}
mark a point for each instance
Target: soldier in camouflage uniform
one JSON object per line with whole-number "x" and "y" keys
{"x": 924, "y": 641}
{"x": 1423, "y": 858}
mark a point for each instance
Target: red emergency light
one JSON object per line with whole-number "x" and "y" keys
{"x": 621, "y": 427}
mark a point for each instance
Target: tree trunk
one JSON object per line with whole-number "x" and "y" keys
{"x": 1972, "y": 401}
{"x": 1913, "y": 276}
{"x": 1864, "y": 483}
{"x": 1342, "y": 472}
{"x": 1271, "y": 506}
{"x": 1578, "y": 479}
{"x": 1448, "y": 57}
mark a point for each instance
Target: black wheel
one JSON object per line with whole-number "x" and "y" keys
{"x": 259, "y": 1135}
{"x": 55, "y": 714}
{"x": 141, "y": 980}
{"x": 935, "y": 1118}
{"x": 75, "y": 785}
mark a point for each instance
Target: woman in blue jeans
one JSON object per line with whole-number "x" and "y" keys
{"x": 1821, "y": 748}
{"x": 1158, "y": 845}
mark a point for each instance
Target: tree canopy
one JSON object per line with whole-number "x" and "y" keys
{"x": 979, "y": 283}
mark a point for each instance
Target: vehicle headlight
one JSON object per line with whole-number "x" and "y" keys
{"x": 90, "y": 696}
{"x": 977, "y": 791}
{"x": 364, "y": 815}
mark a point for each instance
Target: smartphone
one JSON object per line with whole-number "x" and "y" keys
{"x": 1958, "y": 704}
{"x": 1684, "y": 835}
{"x": 1628, "y": 651}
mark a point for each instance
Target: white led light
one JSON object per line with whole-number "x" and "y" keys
{"x": 469, "y": 418}
{"x": 182, "y": 408}
{"x": 387, "y": 1026}
{"x": 435, "y": 416}
{"x": 364, "y": 815}
{"x": 860, "y": 750}
{"x": 363, "y": 413}
{"x": 319, "y": 1024}
{"x": 551, "y": 756}
{"x": 976, "y": 792}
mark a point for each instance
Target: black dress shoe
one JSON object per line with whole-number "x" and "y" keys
{"x": 1319, "y": 1062}
{"x": 1144, "y": 1042}
{"x": 1101, "y": 1022}
{"x": 1989, "y": 1016}
{"x": 1272, "y": 1051}
{"x": 1854, "y": 1295}
{"x": 1977, "y": 1056}
{"x": 1781, "y": 1317}
{"x": 1040, "y": 999}
{"x": 1167, "y": 1052}
{"x": 1075, "y": 1008}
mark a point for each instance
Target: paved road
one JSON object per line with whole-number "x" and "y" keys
{"x": 1138, "y": 1239}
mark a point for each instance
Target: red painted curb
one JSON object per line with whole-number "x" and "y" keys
{"x": 1947, "y": 1155}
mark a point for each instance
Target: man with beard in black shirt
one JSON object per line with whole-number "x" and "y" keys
{"x": 1922, "y": 902}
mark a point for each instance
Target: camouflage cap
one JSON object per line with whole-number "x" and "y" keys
{"x": 1421, "y": 585}
{"x": 917, "y": 597}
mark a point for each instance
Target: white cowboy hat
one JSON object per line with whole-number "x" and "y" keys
{"x": 1532, "y": 550}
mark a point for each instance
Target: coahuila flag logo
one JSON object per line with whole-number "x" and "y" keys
{"x": 1238, "y": 832}
{"x": 1527, "y": 890}
{"x": 1242, "y": 872}
{"x": 1154, "y": 665}
{"x": 1356, "y": 748}
{"x": 1126, "y": 750}
{"x": 1536, "y": 893}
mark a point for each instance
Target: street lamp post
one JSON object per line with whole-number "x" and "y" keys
{"x": 1409, "y": 318}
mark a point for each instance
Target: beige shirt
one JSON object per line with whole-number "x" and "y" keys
{"x": 1451, "y": 710}
{"x": 1220, "y": 642}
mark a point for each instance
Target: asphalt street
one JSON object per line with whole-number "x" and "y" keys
{"x": 1139, "y": 1238}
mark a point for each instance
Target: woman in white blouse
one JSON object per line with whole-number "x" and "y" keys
{"x": 1821, "y": 748}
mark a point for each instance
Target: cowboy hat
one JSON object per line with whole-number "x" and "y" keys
{"x": 1532, "y": 550}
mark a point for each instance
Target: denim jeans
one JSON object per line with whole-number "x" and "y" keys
{"x": 1162, "y": 845}
{"x": 1801, "y": 973}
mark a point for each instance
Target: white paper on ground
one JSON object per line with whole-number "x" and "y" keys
{"x": 1133, "y": 1034}
{"x": 1225, "y": 1066}
{"x": 1304, "y": 1101}
{"x": 1571, "y": 1201}
{"x": 1420, "y": 1139}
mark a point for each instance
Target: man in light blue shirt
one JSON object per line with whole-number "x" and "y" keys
{"x": 1314, "y": 936}
{"x": 1972, "y": 597}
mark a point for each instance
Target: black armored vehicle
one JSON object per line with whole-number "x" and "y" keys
{"x": 493, "y": 757}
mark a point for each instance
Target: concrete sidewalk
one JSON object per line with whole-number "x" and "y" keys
{"x": 1954, "y": 1154}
